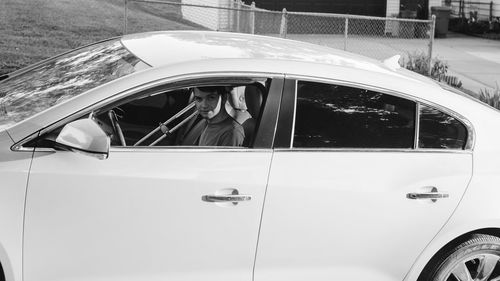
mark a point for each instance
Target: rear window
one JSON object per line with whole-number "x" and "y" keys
{"x": 63, "y": 77}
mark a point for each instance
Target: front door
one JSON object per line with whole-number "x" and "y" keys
{"x": 147, "y": 212}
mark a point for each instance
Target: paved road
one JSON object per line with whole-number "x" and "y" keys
{"x": 474, "y": 60}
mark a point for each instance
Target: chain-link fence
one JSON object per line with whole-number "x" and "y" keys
{"x": 374, "y": 37}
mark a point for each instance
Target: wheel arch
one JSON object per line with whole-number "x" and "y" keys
{"x": 453, "y": 243}
{"x": 7, "y": 271}
{"x": 2, "y": 274}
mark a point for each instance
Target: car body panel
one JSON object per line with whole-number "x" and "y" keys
{"x": 184, "y": 46}
{"x": 478, "y": 210}
{"x": 355, "y": 214}
{"x": 14, "y": 168}
{"x": 139, "y": 215}
{"x": 356, "y": 206}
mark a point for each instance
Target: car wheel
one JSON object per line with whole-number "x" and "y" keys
{"x": 476, "y": 259}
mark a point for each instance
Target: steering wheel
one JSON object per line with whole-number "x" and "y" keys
{"x": 116, "y": 126}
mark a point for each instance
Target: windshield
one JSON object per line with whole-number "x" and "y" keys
{"x": 63, "y": 77}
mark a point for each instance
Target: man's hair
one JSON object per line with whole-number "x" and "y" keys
{"x": 221, "y": 90}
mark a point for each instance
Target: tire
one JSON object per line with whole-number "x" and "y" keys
{"x": 476, "y": 259}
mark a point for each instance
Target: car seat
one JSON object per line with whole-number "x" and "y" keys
{"x": 247, "y": 110}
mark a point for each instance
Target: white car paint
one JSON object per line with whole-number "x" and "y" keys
{"x": 354, "y": 221}
{"x": 14, "y": 169}
{"x": 139, "y": 215}
{"x": 68, "y": 211}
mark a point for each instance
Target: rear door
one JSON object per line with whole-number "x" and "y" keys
{"x": 361, "y": 181}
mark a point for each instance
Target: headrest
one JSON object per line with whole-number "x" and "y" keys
{"x": 253, "y": 98}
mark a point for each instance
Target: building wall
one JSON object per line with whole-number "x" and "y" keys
{"x": 392, "y": 8}
{"x": 435, "y": 3}
{"x": 214, "y": 19}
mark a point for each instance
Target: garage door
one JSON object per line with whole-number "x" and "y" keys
{"x": 355, "y": 7}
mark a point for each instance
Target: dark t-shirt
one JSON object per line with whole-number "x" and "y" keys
{"x": 224, "y": 133}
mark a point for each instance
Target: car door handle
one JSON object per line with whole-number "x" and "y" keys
{"x": 226, "y": 198}
{"x": 429, "y": 195}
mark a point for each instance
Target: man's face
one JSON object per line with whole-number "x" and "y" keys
{"x": 208, "y": 104}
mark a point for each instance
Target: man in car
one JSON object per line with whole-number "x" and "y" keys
{"x": 221, "y": 129}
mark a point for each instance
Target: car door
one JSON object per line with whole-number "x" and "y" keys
{"x": 352, "y": 194}
{"x": 145, "y": 213}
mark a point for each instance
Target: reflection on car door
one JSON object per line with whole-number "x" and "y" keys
{"x": 340, "y": 194}
{"x": 144, "y": 214}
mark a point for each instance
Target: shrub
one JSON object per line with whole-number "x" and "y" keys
{"x": 419, "y": 62}
{"x": 491, "y": 97}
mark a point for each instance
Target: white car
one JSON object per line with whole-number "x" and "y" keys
{"x": 351, "y": 169}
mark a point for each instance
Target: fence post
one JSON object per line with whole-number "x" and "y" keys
{"x": 284, "y": 23}
{"x": 230, "y": 17}
{"x": 491, "y": 11}
{"x": 346, "y": 31}
{"x": 238, "y": 16}
{"x": 462, "y": 9}
{"x": 252, "y": 18}
{"x": 125, "y": 18}
{"x": 431, "y": 43}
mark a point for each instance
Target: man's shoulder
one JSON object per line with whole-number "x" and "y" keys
{"x": 231, "y": 124}
{"x": 237, "y": 126}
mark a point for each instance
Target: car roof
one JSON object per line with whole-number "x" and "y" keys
{"x": 176, "y": 47}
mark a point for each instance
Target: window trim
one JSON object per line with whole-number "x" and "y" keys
{"x": 169, "y": 83}
{"x": 417, "y": 125}
{"x": 285, "y": 124}
{"x": 418, "y": 101}
{"x": 295, "y": 97}
{"x": 374, "y": 150}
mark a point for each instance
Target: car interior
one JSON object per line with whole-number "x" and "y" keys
{"x": 169, "y": 118}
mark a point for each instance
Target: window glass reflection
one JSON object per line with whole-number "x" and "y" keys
{"x": 440, "y": 130}
{"x": 346, "y": 117}
{"x": 62, "y": 78}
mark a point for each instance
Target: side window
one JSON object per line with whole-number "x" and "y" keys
{"x": 440, "y": 130}
{"x": 334, "y": 116}
{"x": 206, "y": 115}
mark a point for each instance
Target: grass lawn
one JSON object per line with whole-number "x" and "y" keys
{"x": 32, "y": 30}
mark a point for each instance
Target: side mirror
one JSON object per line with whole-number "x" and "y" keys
{"x": 85, "y": 136}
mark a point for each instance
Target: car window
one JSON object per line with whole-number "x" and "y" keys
{"x": 440, "y": 130}
{"x": 335, "y": 116}
{"x": 64, "y": 77}
{"x": 172, "y": 118}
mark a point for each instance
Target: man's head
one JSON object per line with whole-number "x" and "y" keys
{"x": 209, "y": 100}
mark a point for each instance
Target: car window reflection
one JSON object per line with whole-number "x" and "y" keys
{"x": 62, "y": 78}
{"x": 334, "y": 116}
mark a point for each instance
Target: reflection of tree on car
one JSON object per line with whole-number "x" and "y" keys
{"x": 76, "y": 73}
{"x": 358, "y": 117}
